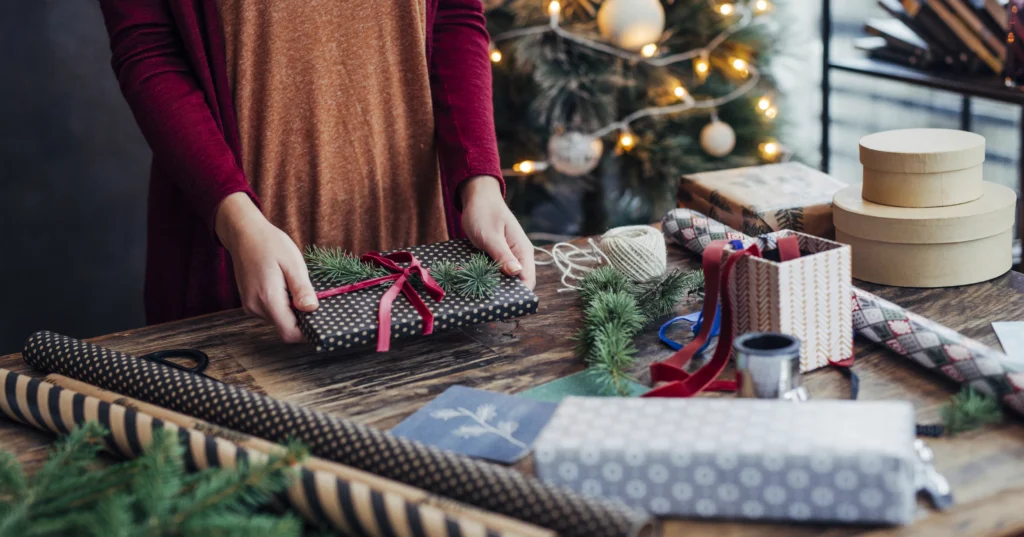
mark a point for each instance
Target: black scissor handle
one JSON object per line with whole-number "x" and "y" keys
{"x": 200, "y": 358}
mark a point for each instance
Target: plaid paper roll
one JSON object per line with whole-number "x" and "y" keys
{"x": 481, "y": 484}
{"x": 349, "y": 506}
{"x": 928, "y": 343}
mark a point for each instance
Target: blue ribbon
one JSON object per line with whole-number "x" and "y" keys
{"x": 715, "y": 328}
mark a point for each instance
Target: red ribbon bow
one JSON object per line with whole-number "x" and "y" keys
{"x": 402, "y": 285}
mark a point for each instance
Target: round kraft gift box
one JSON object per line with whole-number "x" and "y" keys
{"x": 927, "y": 247}
{"x": 922, "y": 167}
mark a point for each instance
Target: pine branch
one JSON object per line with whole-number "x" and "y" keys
{"x": 969, "y": 410}
{"x": 445, "y": 274}
{"x": 478, "y": 277}
{"x": 338, "y": 267}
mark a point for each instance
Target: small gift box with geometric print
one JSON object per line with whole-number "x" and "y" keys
{"x": 758, "y": 459}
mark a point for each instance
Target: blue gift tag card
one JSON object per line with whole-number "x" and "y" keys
{"x": 478, "y": 423}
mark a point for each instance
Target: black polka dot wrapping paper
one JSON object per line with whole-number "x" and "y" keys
{"x": 481, "y": 484}
{"x": 349, "y": 321}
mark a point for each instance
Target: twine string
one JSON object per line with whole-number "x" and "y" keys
{"x": 637, "y": 251}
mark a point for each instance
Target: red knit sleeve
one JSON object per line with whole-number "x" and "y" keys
{"x": 460, "y": 81}
{"x": 152, "y": 66}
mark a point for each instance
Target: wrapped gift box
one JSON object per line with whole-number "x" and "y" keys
{"x": 349, "y": 321}
{"x": 762, "y": 199}
{"x": 832, "y": 461}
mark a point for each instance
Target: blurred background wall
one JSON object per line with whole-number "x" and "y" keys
{"x": 73, "y": 174}
{"x": 73, "y": 167}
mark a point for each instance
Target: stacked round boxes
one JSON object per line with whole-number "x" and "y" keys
{"x": 923, "y": 216}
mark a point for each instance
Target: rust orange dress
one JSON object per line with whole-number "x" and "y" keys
{"x": 335, "y": 119}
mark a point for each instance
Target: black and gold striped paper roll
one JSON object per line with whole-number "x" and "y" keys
{"x": 349, "y": 506}
{"x": 461, "y": 478}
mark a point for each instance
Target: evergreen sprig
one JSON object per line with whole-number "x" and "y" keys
{"x": 477, "y": 278}
{"x": 151, "y": 496}
{"x": 339, "y": 267}
{"x": 446, "y": 274}
{"x": 615, "y": 310}
{"x": 969, "y": 410}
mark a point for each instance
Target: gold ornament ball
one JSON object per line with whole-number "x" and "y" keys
{"x": 574, "y": 153}
{"x": 717, "y": 138}
{"x": 631, "y": 24}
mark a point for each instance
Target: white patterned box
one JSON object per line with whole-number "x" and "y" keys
{"x": 827, "y": 460}
{"x": 809, "y": 297}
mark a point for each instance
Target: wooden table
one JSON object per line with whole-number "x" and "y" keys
{"x": 986, "y": 468}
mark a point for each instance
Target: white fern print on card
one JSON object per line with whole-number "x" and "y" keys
{"x": 481, "y": 423}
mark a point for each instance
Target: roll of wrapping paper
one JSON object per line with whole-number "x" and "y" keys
{"x": 490, "y": 487}
{"x": 927, "y": 342}
{"x": 495, "y": 522}
{"x": 347, "y": 505}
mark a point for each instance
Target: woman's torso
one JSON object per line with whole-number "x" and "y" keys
{"x": 335, "y": 119}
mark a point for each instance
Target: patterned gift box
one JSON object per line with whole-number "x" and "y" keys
{"x": 762, "y": 199}
{"x": 808, "y": 297}
{"x": 834, "y": 461}
{"x": 349, "y": 321}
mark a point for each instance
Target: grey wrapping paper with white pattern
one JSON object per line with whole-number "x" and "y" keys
{"x": 349, "y": 321}
{"x": 833, "y": 461}
{"x": 477, "y": 483}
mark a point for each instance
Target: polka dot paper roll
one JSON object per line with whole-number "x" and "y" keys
{"x": 826, "y": 461}
{"x": 349, "y": 321}
{"x": 481, "y": 484}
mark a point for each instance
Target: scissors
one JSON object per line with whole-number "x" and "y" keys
{"x": 199, "y": 357}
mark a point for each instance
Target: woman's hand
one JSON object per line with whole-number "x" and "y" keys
{"x": 268, "y": 266}
{"x": 492, "y": 227}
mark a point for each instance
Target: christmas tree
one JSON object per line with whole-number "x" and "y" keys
{"x": 613, "y": 100}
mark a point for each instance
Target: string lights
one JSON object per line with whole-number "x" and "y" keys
{"x": 650, "y": 54}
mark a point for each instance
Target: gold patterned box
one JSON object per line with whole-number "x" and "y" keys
{"x": 809, "y": 297}
{"x": 762, "y": 199}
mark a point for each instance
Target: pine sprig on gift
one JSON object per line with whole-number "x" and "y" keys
{"x": 338, "y": 267}
{"x": 477, "y": 278}
{"x": 969, "y": 410}
{"x": 445, "y": 273}
{"x": 615, "y": 310}
{"x": 72, "y": 494}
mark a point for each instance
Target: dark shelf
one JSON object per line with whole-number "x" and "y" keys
{"x": 986, "y": 87}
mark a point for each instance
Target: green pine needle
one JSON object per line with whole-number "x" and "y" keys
{"x": 73, "y": 494}
{"x": 478, "y": 278}
{"x": 338, "y": 267}
{"x": 604, "y": 279}
{"x": 660, "y": 297}
{"x": 445, "y": 274}
{"x": 969, "y": 410}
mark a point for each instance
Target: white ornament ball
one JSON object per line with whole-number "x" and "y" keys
{"x": 574, "y": 153}
{"x": 631, "y": 24}
{"x": 717, "y": 138}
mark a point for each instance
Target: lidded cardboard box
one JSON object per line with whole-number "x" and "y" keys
{"x": 922, "y": 167}
{"x": 923, "y": 216}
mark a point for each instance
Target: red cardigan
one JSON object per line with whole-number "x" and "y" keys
{"x": 169, "y": 58}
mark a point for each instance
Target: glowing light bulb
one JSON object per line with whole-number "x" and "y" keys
{"x": 764, "y": 104}
{"x": 649, "y": 50}
{"x": 701, "y": 66}
{"x": 739, "y": 64}
{"x": 761, "y": 6}
{"x": 495, "y": 56}
{"x": 771, "y": 112}
{"x": 554, "y": 8}
{"x": 680, "y": 92}
{"x": 627, "y": 141}
{"x": 526, "y": 166}
{"x": 769, "y": 149}
{"x": 726, "y": 9}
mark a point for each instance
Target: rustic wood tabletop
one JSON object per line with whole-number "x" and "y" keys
{"x": 985, "y": 468}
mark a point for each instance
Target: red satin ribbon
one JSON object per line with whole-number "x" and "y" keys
{"x": 679, "y": 382}
{"x": 402, "y": 285}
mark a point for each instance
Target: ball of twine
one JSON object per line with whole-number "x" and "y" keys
{"x": 637, "y": 251}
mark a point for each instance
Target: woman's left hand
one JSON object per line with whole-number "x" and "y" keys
{"x": 492, "y": 227}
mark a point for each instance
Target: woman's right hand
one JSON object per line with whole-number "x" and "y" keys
{"x": 268, "y": 266}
